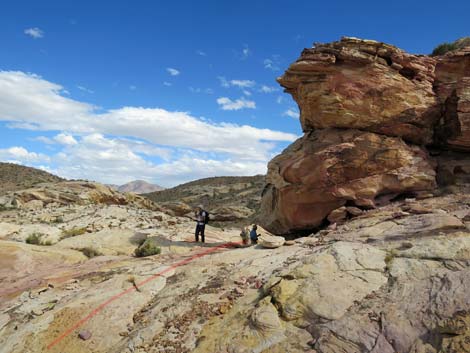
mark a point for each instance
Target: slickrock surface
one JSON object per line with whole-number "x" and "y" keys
{"x": 390, "y": 279}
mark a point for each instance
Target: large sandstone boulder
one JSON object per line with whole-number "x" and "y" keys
{"x": 327, "y": 169}
{"x": 453, "y": 91}
{"x": 271, "y": 241}
{"x": 364, "y": 84}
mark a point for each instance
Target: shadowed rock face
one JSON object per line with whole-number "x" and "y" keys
{"x": 367, "y": 110}
{"x": 453, "y": 90}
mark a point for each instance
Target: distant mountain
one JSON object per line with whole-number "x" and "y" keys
{"x": 139, "y": 187}
{"x": 15, "y": 177}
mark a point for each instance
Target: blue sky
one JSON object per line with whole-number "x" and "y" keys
{"x": 174, "y": 91}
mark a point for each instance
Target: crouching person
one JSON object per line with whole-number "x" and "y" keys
{"x": 245, "y": 235}
{"x": 254, "y": 234}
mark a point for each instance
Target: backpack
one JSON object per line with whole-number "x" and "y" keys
{"x": 206, "y": 218}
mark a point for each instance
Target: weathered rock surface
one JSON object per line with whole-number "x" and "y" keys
{"x": 271, "y": 241}
{"x": 453, "y": 91}
{"x": 359, "y": 100}
{"x": 384, "y": 281}
{"x": 367, "y": 85}
{"x": 71, "y": 192}
{"x": 327, "y": 169}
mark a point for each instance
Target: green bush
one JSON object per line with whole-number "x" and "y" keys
{"x": 58, "y": 220}
{"x": 90, "y": 252}
{"x": 36, "y": 239}
{"x": 443, "y": 48}
{"x": 68, "y": 233}
{"x": 5, "y": 208}
{"x": 148, "y": 248}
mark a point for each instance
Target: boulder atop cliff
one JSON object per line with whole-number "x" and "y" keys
{"x": 364, "y": 84}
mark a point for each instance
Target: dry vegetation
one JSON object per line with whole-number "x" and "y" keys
{"x": 17, "y": 177}
{"x": 215, "y": 192}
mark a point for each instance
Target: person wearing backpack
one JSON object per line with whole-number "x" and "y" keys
{"x": 202, "y": 218}
{"x": 253, "y": 234}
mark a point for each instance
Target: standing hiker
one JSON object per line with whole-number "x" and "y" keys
{"x": 201, "y": 218}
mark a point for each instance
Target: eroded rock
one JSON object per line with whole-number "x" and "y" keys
{"x": 367, "y": 85}
{"x": 325, "y": 169}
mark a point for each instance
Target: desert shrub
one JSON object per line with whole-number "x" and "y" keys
{"x": 148, "y": 248}
{"x": 6, "y": 208}
{"x": 443, "y": 48}
{"x": 90, "y": 252}
{"x": 68, "y": 233}
{"x": 389, "y": 257}
{"x": 36, "y": 239}
{"x": 58, "y": 219}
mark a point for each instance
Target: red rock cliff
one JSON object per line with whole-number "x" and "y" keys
{"x": 368, "y": 111}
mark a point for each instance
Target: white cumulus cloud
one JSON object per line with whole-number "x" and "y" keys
{"x": 172, "y": 71}
{"x": 65, "y": 139}
{"x": 292, "y": 113}
{"x": 18, "y": 154}
{"x": 34, "y": 32}
{"x": 242, "y": 83}
{"x": 180, "y": 141}
{"x": 241, "y": 103}
{"x": 268, "y": 89}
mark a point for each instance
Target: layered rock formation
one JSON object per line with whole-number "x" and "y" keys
{"x": 71, "y": 192}
{"x": 452, "y": 86}
{"x": 368, "y": 110}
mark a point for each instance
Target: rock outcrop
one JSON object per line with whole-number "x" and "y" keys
{"x": 329, "y": 168}
{"x": 367, "y": 85}
{"x": 369, "y": 112}
{"x": 71, "y": 192}
{"x": 452, "y": 86}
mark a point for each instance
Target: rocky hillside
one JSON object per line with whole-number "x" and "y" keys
{"x": 379, "y": 124}
{"x": 18, "y": 177}
{"x": 379, "y": 183}
{"x": 139, "y": 187}
{"x": 230, "y": 200}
